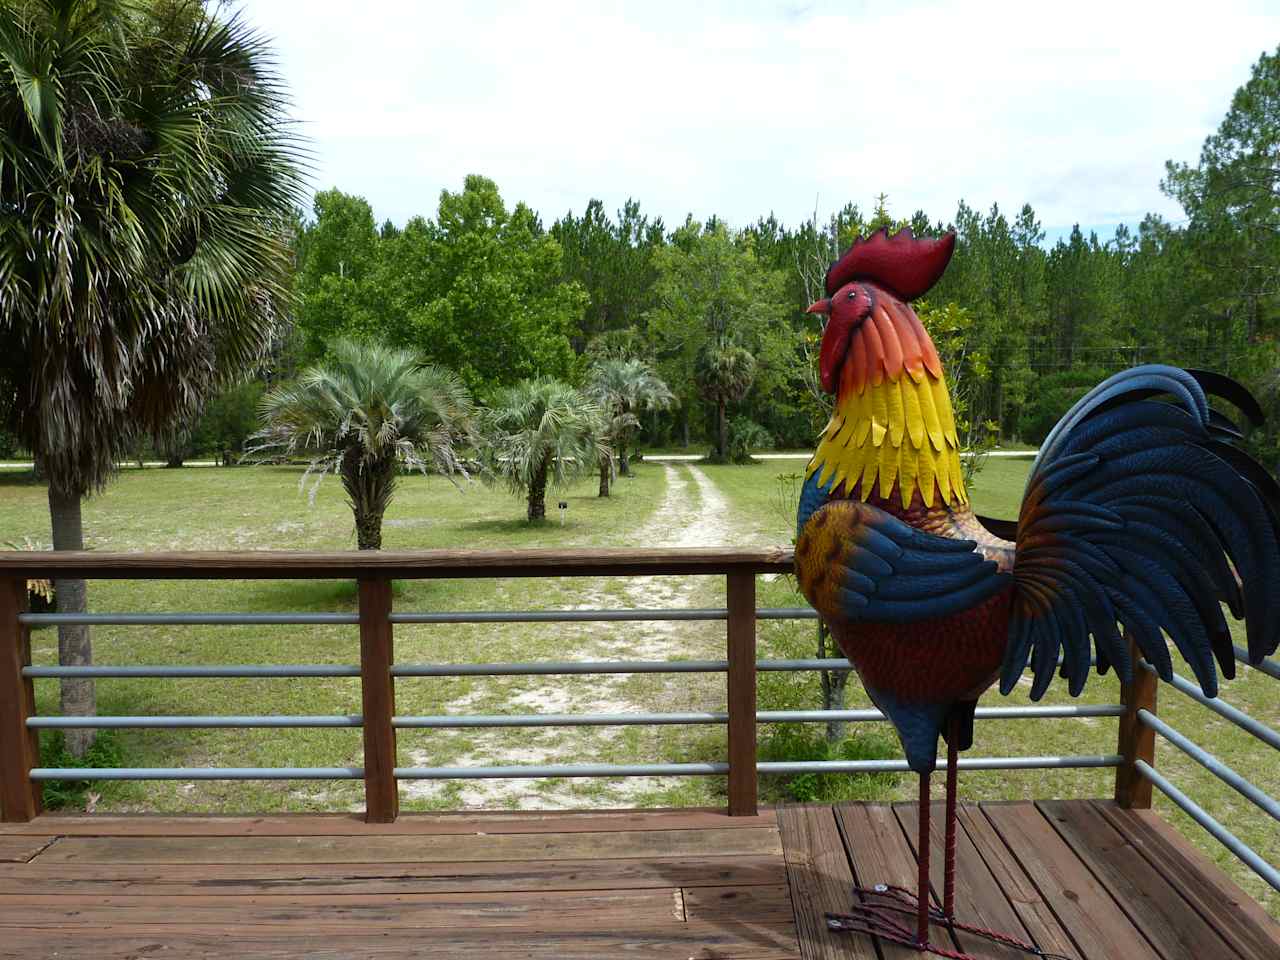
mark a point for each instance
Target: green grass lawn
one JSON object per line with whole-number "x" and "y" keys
{"x": 262, "y": 508}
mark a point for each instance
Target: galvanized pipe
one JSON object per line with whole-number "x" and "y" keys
{"x": 180, "y": 723}
{"x": 762, "y": 716}
{"x": 185, "y": 619}
{"x": 532, "y": 771}
{"x": 197, "y": 773}
{"x": 966, "y": 763}
{"x": 275, "y": 671}
{"x": 1269, "y": 667}
{"x": 1211, "y": 763}
{"x": 1223, "y": 709}
{"x": 1220, "y": 833}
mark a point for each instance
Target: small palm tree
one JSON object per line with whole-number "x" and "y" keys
{"x": 364, "y": 415}
{"x": 623, "y": 388}
{"x": 724, "y": 373}
{"x": 542, "y": 433}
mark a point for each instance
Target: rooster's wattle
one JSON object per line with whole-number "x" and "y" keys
{"x": 1140, "y": 514}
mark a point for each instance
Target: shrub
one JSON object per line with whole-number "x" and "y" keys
{"x": 105, "y": 751}
{"x": 744, "y": 436}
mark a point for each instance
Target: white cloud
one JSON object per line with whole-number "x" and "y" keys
{"x": 742, "y": 109}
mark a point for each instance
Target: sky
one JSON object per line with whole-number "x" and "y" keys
{"x": 743, "y": 109}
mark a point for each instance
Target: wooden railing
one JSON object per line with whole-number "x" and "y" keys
{"x": 374, "y": 571}
{"x": 21, "y": 775}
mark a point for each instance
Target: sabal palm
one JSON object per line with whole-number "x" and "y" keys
{"x": 364, "y": 415}
{"x": 542, "y": 433}
{"x": 623, "y": 388}
{"x": 146, "y": 174}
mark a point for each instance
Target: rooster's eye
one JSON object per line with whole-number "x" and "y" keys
{"x": 851, "y": 296}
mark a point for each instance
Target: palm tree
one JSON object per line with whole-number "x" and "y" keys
{"x": 542, "y": 432}
{"x": 724, "y": 372}
{"x": 623, "y": 388}
{"x": 364, "y": 415}
{"x": 147, "y": 171}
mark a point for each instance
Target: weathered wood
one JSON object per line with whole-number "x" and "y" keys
{"x": 1151, "y": 904}
{"x": 20, "y": 796}
{"x": 1098, "y": 927}
{"x": 979, "y": 899}
{"x": 237, "y": 880}
{"x": 1036, "y": 915}
{"x": 1136, "y": 741}
{"x": 743, "y": 782}
{"x": 548, "y": 909}
{"x": 353, "y": 824}
{"x": 768, "y": 904}
{"x": 400, "y": 565}
{"x": 744, "y": 939}
{"x": 391, "y": 849}
{"x": 377, "y": 687}
{"x": 1250, "y": 930}
{"x": 21, "y": 849}
{"x": 820, "y": 878}
{"x": 880, "y": 853}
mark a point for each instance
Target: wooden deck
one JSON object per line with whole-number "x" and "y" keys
{"x": 680, "y": 884}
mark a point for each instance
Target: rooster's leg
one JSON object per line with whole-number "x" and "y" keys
{"x": 949, "y": 859}
{"x": 922, "y": 845}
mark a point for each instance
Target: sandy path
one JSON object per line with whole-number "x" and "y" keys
{"x": 693, "y": 513}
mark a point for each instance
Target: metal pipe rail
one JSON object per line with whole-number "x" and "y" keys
{"x": 1220, "y": 833}
{"x": 503, "y": 720}
{"x": 1211, "y": 763}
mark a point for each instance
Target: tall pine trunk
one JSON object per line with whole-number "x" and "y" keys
{"x": 538, "y": 493}
{"x": 74, "y": 645}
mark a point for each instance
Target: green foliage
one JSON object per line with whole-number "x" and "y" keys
{"x": 479, "y": 290}
{"x": 363, "y": 415}
{"x": 105, "y": 752}
{"x": 1054, "y": 396}
{"x": 799, "y": 742}
{"x": 149, "y": 178}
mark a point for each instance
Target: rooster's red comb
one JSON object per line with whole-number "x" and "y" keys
{"x": 901, "y": 264}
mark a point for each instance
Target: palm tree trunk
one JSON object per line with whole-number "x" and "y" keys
{"x": 538, "y": 493}
{"x": 624, "y": 462}
{"x": 368, "y": 487}
{"x": 606, "y": 472}
{"x": 722, "y": 433}
{"x": 74, "y": 644}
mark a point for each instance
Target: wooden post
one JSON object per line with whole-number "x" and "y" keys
{"x": 742, "y": 694}
{"x": 20, "y": 796}
{"x": 1137, "y": 740}
{"x": 381, "y": 794}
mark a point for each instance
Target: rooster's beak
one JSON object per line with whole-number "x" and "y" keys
{"x": 822, "y": 306}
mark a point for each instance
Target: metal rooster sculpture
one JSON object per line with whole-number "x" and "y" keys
{"x": 1139, "y": 513}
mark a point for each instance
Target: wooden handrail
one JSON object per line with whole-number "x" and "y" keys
{"x": 401, "y": 565}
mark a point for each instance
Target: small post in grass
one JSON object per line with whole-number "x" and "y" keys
{"x": 1137, "y": 741}
{"x": 382, "y": 796}
{"x": 20, "y": 796}
{"x": 742, "y": 694}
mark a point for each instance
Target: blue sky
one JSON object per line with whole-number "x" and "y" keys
{"x": 740, "y": 109}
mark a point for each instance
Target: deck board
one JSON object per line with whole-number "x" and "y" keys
{"x": 1081, "y": 878}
